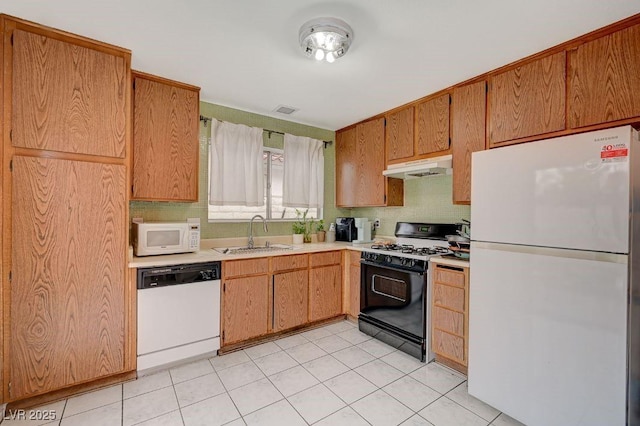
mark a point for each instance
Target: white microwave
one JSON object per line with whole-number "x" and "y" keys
{"x": 153, "y": 238}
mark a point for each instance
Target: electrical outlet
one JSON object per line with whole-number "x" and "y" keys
{"x": 376, "y": 223}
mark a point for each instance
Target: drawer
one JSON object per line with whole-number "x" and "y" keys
{"x": 354, "y": 257}
{"x": 449, "y": 346}
{"x": 447, "y": 320}
{"x": 449, "y": 297}
{"x": 286, "y": 263}
{"x": 323, "y": 259}
{"x": 236, "y": 268}
{"x": 449, "y": 275}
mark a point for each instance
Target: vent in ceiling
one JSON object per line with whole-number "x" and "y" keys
{"x": 283, "y": 109}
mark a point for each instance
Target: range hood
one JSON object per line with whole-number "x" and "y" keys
{"x": 435, "y": 166}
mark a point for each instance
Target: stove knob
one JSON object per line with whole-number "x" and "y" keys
{"x": 403, "y": 260}
{"x": 412, "y": 263}
{"x": 387, "y": 259}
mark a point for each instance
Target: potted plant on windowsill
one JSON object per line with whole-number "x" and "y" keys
{"x": 321, "y": 232}
{"x": 298, "y": 231}
{"x": 302, "y": 228}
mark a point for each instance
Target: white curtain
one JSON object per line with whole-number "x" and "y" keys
{"x": 303, "y": 184}
{"x": 237, "y": 171}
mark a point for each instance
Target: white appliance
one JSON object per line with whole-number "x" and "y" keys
{"x": 434, "y": 166}
{"x": 178, "y": 313}
{"x": 154, "y": 238}
{"x": 363, "y": 227}
{"x": 550, "y": 323}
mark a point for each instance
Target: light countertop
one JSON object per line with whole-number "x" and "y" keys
{"x": 211, "y": 255}
{"x": 449, "y": 261}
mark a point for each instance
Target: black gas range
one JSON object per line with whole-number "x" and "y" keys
{"x": 403, "y": 256}
{"x": 395, "y": 291}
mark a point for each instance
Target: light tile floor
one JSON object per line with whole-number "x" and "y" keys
{"x": 333, "y": 375}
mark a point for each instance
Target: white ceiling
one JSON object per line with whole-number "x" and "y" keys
{"x": 245, "y": 54}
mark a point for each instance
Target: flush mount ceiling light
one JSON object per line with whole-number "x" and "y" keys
{"x": 325, "y": 38}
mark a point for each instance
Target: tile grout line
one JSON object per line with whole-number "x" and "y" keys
{"x": 468, "y": 409}
{"x": 226, "y": 391}
{"x": 312, "y": 375}
{"x": 175, "y": 393}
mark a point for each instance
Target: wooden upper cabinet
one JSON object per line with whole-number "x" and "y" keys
{"x": 165, "y": 139}
{"x": 528, "y": 100}
{"x": 605, "y": 79}
{"x": 67, "y": 97}
{"x": 346, "y": 167}
{"x": 432, "y": 125}
{"x": 399, "y": 135}
{"x": 468, "y": 135}
{"x": 370, "y": 183}
{"x": 66, "y": 322}
{"x": 360, "y": 153}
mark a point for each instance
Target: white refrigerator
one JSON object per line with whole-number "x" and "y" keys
{"x": 553, "y": 322}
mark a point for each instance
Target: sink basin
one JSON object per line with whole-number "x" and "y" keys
{"x": 255, "y": 249}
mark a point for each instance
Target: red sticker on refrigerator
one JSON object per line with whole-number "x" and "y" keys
{"x": 611, "y": 153}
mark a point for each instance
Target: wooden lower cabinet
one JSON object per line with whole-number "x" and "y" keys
{"x": 325, "y": 292}
{"x": 268, "y": 295}
{"x": 245, "y": 304}
{"x": 290, "y": 299}
{"x": 449, "y": 315}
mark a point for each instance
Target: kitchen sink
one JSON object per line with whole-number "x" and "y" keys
{"x": 255, "y": 249}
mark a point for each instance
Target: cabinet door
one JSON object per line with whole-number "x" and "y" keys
{"x": 67, "y": 97}
{"x": 399, "y": 133}
{"x": 165, "y": 141}
{"x": 290, "y": 299}
{"x": 432, "y": 125}
{"x": 325, "y": 292}
{"x": 528, "y": 100}
{"x": 346, "y": 168}
{"x": 67, "y": 304}
{"x": 245, "y": 308}
{"x": 370, "y": 183}
{"x": 468, "y": 135}
{"x": 605, "y": 79}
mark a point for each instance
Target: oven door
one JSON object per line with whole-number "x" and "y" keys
{"x": 393, "y": 298}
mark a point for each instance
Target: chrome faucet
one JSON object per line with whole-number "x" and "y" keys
{"x": 264, "y": 223}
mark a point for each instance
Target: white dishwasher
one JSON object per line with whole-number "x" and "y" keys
{"x": 178, "y": 313}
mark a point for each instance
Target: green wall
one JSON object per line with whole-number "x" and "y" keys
{"x": 155, "y": 211}
{"x": 426, "y": 199}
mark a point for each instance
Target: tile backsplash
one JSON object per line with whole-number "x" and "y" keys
{"x": 426, "y": 199}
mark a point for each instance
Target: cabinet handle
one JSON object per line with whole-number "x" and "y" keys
{"x": 273, "y": 302}
{"x": 451, "y": 268}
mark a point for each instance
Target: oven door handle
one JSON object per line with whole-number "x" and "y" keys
{"x": 392, "y": 268}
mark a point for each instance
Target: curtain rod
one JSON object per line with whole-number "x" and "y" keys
{"x": 207, "y": 119}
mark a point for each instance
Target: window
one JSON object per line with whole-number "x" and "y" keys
{"x": 273, "y": 160}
